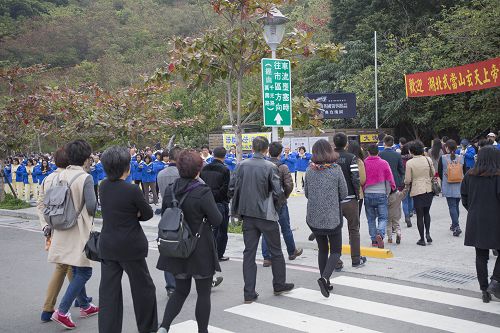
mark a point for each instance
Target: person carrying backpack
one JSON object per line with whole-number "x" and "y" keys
{"x": 69, "y": 225}
{"x": 450, "y": 169}
{"x": 200, "y": 213}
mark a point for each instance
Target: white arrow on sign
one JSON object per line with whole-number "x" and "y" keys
{"x": 278, "y": 119}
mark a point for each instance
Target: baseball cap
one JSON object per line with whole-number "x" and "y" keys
{"x": 492, "y": 134}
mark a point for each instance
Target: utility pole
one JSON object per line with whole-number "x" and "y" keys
{"x": 376, "y": 84}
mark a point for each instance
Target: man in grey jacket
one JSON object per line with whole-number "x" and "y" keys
{"x": 255, "y": 189}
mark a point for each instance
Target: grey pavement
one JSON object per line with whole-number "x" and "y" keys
{"x": 360, "y": 303}
{"x": 445, "y": 263}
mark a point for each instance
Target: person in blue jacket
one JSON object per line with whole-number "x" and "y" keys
{"x": 136, "y": 171}
{"x": 37, "y": 173}
{"x": 230, "y": 160}
{"x": 303, "y": 160}
{"x": 7, "y": 174}
{"x": 468, "y": 152}
{"x": 45, "y": 170}
{"x": 149, "y": 179}
{"x": 96, "y": 171}
{"x": 290, "y": 159}
{"x": 18, "y": 171}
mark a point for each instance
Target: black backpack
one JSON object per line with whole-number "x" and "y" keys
{"x": 175, "y": 238}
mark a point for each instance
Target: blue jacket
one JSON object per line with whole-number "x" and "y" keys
{"x": 97, "y": 172}
{"x": 37, "y": 172}
{"x": 7, "y": 174}
{"x": 135, "y": 171}
{"x": 148, "y": 173}
{"x": 246, "y": 156}
{"x": 26, "y": 175}
{"x": 42, "y": 176}
{"x": 53, "y": 167}
{"x": 303, "y": 162}
{"x": 469, "y": 156}
{"x": 158, "y": 166}
{"x": 230, "y": 161}
{"x": 291, "y": 161}
{"x": 21, "y": 170}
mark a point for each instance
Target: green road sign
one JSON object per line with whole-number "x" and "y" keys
{"x": 276, "y": 92}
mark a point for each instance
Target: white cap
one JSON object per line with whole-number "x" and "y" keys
{"x": 492, "y": 134}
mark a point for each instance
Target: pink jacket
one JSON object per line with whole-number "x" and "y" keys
{"x": 377, "y": 171}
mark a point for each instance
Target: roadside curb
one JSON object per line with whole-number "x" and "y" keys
{"x": 18, "y": 214}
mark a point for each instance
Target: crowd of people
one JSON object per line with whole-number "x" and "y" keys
{"x": 389, "y": 179}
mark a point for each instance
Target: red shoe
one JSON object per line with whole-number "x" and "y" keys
{"x": 92, "y": 310}
{"x": 63, "y": 319}
{"x": 380, "y": 242}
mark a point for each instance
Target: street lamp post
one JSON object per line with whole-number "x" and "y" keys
{"x": 274, "y": 30}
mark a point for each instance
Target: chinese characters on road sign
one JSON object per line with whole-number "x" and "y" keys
{"x": 276, "y": 92}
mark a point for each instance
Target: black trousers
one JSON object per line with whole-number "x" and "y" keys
{"x": 482, "y": 257}
{"x": 111, "y": 297}
{"x": 329, "y": 244}
{"x": 253, "y": 228}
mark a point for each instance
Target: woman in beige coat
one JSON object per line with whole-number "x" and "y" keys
{"x": 67, "y": 245}
{"x": 418, "y": 176}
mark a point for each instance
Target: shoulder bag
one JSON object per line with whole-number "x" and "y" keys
{"x": 436, "y": 188}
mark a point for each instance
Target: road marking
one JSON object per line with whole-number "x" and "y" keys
{"x": 191, "y": 326}
{"x": 411, "y": 316}
{"x": 418, "y": 293}
{"x": 294, "y": 320}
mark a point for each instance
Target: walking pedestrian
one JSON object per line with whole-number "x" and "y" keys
{"x": 275, "y": 149}
{"x": 325, "y": 188}
{"x": 29, "y": 181}
{"x": 407, "y": 201}
{"x": 450, "y": 170}
{"x": 480, "y": 191}
{"x": 216, "y": 175}
{"x": 198, "y": 205}
{"x": 355, "y": 149}
{"x": 123, "y": 247}
{"x": 255, "y": 190}
{"x": 18, "y": 170}
{"x": 396, "y": 164}
{"x": 419, "y": 175}
{"x": 438, "y": 149}
{"x": 349, "y": 165}
{"x": 379, "y": 184}
{"x": 67, "y": 245}
{"x": 469, "y": 154}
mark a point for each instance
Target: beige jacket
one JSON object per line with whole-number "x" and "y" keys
{"x": 417, "y": 174}
{"x": 67, "y": 245}
{"x": 362, "y": 177}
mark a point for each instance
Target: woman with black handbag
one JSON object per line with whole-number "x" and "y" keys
{"x": 198, "y": 206}
{"x": 123, "y": 247}
{"x": 420, "y": 176}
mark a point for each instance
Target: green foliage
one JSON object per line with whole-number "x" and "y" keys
{"x": 12, "y": 203}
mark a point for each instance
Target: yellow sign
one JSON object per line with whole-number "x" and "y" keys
{"x": 367, "y": 138}
{"x": 247, "y": 138}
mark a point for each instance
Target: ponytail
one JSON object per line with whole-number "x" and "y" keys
{"x": 452, "y": 147}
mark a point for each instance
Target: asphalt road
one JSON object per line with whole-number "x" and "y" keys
{"x": 359, "y": 304}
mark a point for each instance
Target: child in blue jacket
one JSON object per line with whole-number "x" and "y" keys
{"x": 18, "y": 171}
{"x": 136, "y": 171}
{"x": 7, "y": 175}
{"x": 149, "y": 179}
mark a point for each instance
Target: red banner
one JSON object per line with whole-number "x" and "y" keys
{"x": 481, "y": 75}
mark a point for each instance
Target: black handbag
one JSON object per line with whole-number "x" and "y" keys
{"x": 436, "y": 188}
{"x": 92, "y": 247}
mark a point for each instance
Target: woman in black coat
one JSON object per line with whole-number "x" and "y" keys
{"x": 481, "y": 197}
{"x": 198, "y": 206}
{"x": 123, "y": 247}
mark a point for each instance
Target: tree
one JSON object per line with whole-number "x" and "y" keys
{"x": 231, "y": 52}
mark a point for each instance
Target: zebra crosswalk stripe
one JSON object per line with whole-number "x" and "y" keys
{"x": 418, "y": 293}
{"x": 411, "y": 316}
{"x": 294, "y": 320}
{"x": 191, "y": 326}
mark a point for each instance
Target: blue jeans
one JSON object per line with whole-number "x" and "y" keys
{"x": 220, "y": 232}
{"x": 284, "y": 222}
{"x": 407, "y": 205}
{"x": 76, "y": 289}
{"x": 376, "y": 207}
{"x": 170, "y": 280}
{"x": 453, "y": 206}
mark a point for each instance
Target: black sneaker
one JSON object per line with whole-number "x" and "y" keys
{"x": 217, "y": 281}
{"x": 429, "y": 239}
{"x": 360, "y": 263}
{"x": 457, "y": 232}
{"x": 284, "y": 289}
{"x": 486, "y": 296}
{"x": 251, "y": 299}
{"x": 339, "y": 266}
{"x": 323, "y": 287}
{"x": 421, "y": 242}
